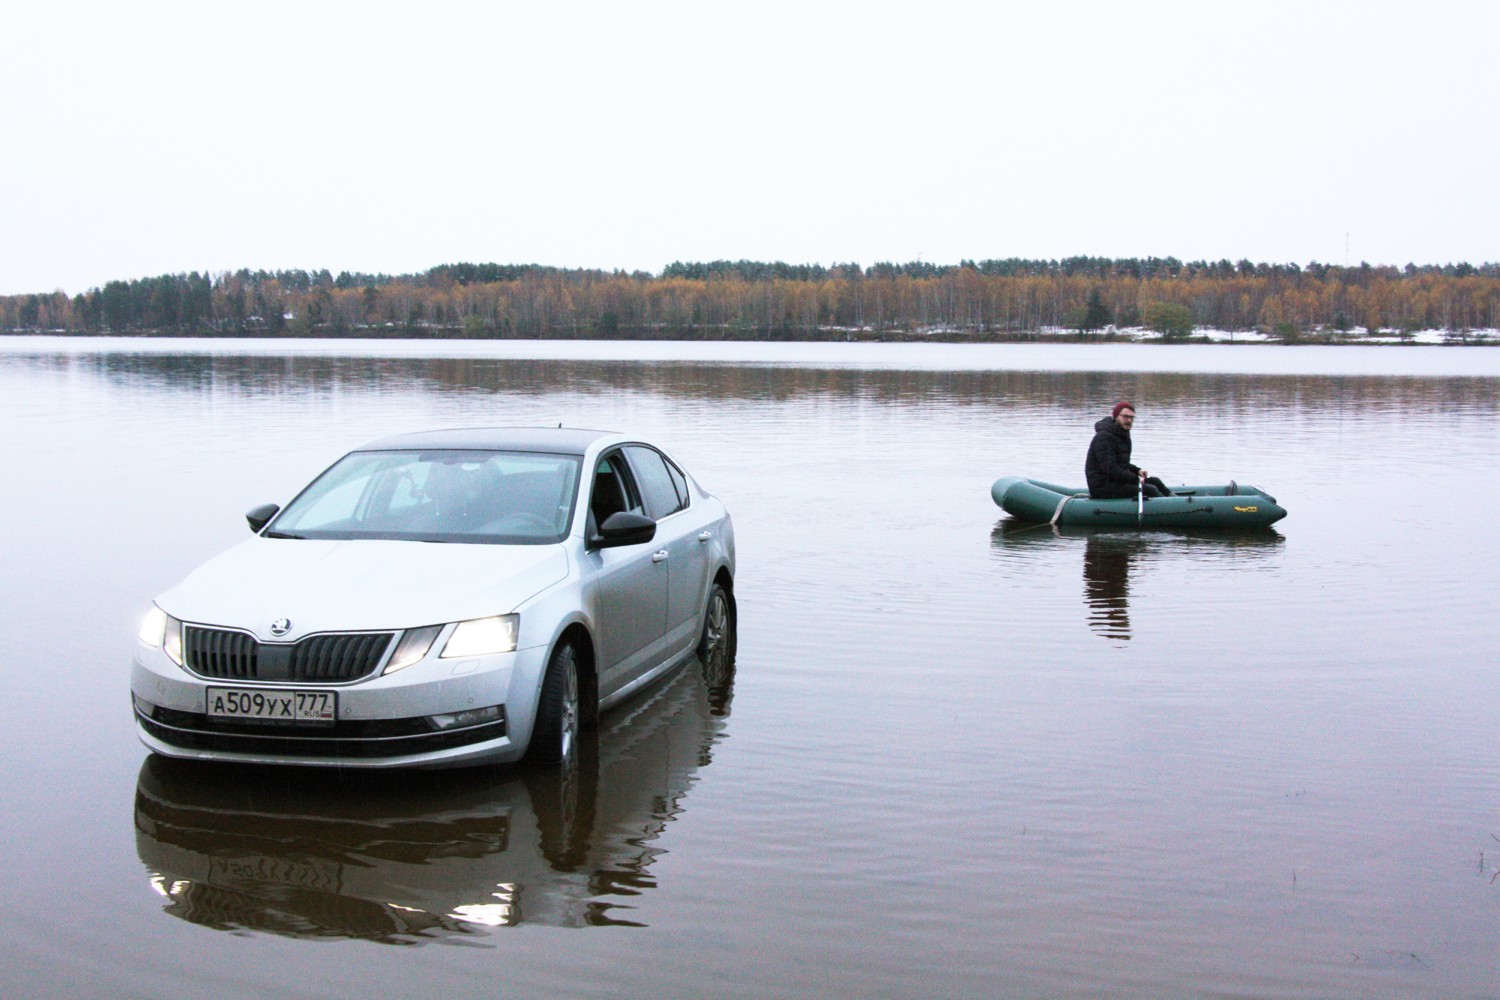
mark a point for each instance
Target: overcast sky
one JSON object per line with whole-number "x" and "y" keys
{"x": 160, "y": 137}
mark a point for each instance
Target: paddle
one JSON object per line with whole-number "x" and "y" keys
{"x": 1140, "y": 503}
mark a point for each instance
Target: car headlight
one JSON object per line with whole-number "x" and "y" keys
{"x": 482, "y": 637}
{"x": 161, "y": 630}
{"x": 153, "y": 627}
{"x": 412, "y": 647}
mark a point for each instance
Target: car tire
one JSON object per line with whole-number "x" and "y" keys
{"x": 554, "y": 738}
{"x": 716, "y": 641}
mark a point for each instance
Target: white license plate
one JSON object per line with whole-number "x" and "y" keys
{"x": 273, "y": 706}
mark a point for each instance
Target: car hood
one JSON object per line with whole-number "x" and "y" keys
{"x": 335, "y": 586}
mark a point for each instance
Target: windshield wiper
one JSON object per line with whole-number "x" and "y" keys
{"x": 283, "y": 534}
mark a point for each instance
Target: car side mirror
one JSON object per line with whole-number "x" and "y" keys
{"x": 260, "y": 516}
{"x": 623, "y": 528}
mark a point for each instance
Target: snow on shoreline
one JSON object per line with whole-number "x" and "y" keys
{"x": 1357, "y": 335}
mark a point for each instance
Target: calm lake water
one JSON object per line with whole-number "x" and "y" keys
{"x": 955, "y": 759}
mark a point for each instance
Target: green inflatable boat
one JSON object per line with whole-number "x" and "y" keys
{"x": 1232, "y": 506}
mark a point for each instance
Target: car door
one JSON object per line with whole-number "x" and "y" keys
{"x": 679, "y": 533}
{"x": 630, "y": 583}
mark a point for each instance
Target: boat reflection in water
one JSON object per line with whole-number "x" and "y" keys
{"x": 1112, "y": 555}
{"x": 422, "y": 856}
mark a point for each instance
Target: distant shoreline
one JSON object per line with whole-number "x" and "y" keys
{"x": 1429, "y": 338}
{"x": 1004, "y": 301}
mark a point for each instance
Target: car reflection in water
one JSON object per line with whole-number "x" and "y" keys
{"x": 1111, "y": 554}
{"x": 412, "y": 858}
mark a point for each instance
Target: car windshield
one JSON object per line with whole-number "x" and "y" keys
{"x": 487, "y": 497}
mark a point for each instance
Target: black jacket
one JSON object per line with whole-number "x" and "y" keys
{"x": 1108, "y": 469}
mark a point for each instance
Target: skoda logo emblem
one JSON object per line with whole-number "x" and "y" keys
{"x": 281, "y": 626}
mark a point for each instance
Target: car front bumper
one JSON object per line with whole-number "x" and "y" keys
{"x": 382, "y": 722}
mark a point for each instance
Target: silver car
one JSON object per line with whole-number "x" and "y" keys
{"x": 441, "y": 599}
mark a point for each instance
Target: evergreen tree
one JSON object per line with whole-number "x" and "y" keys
{"x": 1095, "y": 314}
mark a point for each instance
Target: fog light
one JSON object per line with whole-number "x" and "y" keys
{"x": 471, "y": 717}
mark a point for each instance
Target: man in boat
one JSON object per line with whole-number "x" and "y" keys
{"x": 1108, "y": 470}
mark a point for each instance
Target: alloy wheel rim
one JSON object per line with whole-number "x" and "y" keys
{"x": 718, "y": 618}
{"x": 568, "y": 736}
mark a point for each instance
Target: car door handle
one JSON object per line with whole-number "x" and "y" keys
{"x": 705, "y": 536}
{"x": 659, "y": 556}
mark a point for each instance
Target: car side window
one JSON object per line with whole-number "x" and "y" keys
{"x": 679, "y": 480}
{"x": 614, "y": 490}
{"x": 662, "y": 496}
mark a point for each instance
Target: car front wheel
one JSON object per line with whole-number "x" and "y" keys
{"x": 554, "y": 738}
{"x": 716, "y": 643}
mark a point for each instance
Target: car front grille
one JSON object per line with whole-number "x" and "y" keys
{"x": 338, "y": 657}
{"x": 219, "y": 653}
{"x": 225, "y": 654}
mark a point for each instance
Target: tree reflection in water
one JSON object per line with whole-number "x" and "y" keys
{"x": 422, "y": 856}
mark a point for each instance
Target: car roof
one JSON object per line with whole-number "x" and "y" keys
{"x": 557, "y": 440}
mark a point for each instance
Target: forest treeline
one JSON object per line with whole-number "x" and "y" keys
{"x": 988, "y": 299}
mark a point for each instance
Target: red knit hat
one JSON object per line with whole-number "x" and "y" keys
{"x": 1121, "y": 405}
